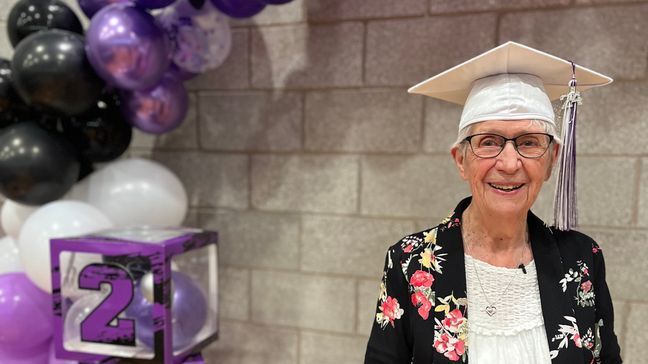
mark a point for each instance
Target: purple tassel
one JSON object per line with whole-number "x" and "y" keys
{"x": 565, "y": 210}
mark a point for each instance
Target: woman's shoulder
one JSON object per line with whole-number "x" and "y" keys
{"x": 575, "y": 240}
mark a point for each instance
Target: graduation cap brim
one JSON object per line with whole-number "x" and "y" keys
{"x": 454, "y": 84}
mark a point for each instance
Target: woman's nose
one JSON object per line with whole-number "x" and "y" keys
{"x": 508, "y": 160}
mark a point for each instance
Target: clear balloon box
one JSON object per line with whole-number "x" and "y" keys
{"x": 143, "y": 293}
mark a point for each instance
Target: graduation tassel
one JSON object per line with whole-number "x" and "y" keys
{"x": 565, "y": 210}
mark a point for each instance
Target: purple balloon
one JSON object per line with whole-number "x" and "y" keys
{"x": 126, "y": 47}
{"x": 154, "y": 4}
{"x": 26, "y": 319}
{"x": 35, "y": 355}
{"x": 239, "y": 8}
{"x": 188, "y": 310}
{"x": 91, "y": 7}
{"x": 276, "y": 2}
{"x": 157, "y": 110}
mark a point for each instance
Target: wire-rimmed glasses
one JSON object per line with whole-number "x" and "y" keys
{"x": 529, "y": 145}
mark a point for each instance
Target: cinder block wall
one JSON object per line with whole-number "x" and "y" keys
{"x": 308, "y": 156}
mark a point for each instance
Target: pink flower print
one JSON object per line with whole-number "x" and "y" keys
{"x": 595, "y": 249}
{"x": 441, "y": 342}
{"x": 577, "y": 340}
{"x": 408, "y": 248}
{"x": 421, "y": 279}
{"x": 451, "y": 347}
{"x": 391, "y": 310}
{"x": 589, "y": 345}
{"x": 586, "y": 286}
{"x": 453, "y": 321}
{"x": 421, "y": 301}
{"x": 585, "y": 270}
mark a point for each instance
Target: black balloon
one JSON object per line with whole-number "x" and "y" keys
{"x": 36, "y": 166}
{"x": 30, "y": 16}
{"x": 12, "y": 108}
{"x": 51, "y": 71}
{"x": 100, "y": 134}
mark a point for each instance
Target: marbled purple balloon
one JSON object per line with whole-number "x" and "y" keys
{"x": 239, "y": 8}
{"x": 188, "y": 311}
{"x": 126, "y": 48}
{"x": 26, "y": 319}
{"x": 159, "y": 109}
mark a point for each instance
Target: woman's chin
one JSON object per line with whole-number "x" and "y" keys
{"x": 508, "y": 205}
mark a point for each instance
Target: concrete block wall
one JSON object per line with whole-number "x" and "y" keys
{"x": 306, "y": 153}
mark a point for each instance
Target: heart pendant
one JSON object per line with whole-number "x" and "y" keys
{"x": 491, "y": 310}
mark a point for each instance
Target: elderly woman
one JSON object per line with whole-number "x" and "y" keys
{"x": 492, "y": 283}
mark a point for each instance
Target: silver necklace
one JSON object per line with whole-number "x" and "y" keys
{"x": 491, "y": 309}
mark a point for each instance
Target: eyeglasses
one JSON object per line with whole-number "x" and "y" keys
{"x": 530, "y": 145}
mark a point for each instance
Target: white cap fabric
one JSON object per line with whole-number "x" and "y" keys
{"x": 507, "y": 97}
{"x": 509, "y": 82}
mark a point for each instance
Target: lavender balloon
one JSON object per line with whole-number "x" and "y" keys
{"x": 157, "y": 110}
{"x": 200, "y": 37}
{"x": 188, "y": 311}
{"x": 239, "y": 8}
{"x": 126, "y": 47}
{"x": 25, "y": 315}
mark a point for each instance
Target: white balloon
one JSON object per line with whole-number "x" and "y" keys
{"x": 135, "y": 192}
{"x": 13, "y": 216}
{"x": 54, "y": 220}
{"x": 9, "y": 257}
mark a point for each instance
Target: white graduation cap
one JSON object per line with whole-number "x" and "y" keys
{"x": 516, "y": 82}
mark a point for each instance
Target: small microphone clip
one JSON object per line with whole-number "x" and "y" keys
{"x": 521, "y": 266}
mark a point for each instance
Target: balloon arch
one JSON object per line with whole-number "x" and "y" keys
{"x": 69, "y": 98}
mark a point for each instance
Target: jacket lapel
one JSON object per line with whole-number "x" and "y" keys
{"x": 557, "y": 310}
{"x": 452, "y": 281}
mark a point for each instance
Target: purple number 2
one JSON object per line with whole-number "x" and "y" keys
{"x": 96, "y": 327}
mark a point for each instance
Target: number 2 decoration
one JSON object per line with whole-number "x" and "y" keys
{"x": 96, "y": 327}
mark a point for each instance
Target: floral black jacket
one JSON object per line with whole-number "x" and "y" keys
{"x": 422, "y": 314}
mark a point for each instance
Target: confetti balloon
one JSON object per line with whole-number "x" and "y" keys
{"x": 200, "y": 36}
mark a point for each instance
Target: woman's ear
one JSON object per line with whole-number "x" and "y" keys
{"x": 555, "y": 152}
{"x": 459, "y": 157}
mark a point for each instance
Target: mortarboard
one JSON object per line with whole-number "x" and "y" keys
{"x": 516, "y": 82}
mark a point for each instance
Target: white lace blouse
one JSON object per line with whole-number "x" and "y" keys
{"x": 516, "y": 332}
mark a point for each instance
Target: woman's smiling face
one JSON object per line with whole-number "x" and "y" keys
{"x": 509, "y": 183}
